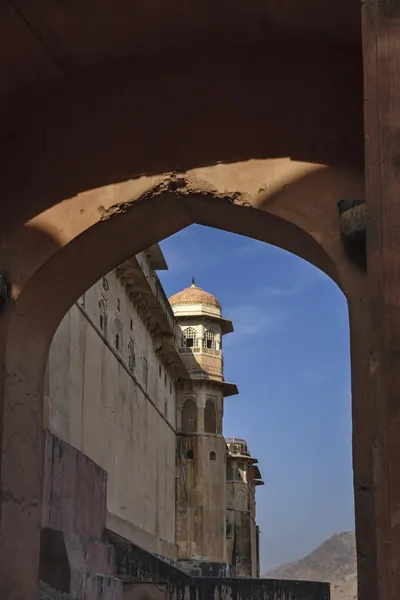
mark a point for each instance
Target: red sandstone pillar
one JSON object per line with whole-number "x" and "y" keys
{"x": 381, "y": 45}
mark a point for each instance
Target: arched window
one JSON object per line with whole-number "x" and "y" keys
{"x": 103, "y": 316}
{"x": 131, "y": 355}
{"x": 213, "y": 455}
{"x": 210, "y": 417}
{"x": 189, "y": 416}
{"x": 229, "y": 470}
{"x": 189, "y": 339}
{"x": 210, "y": 339}
{"x": 118, "y": 335}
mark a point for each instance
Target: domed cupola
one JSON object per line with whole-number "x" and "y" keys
{"x": 195, "y": 295}
{"x": 199, "y": 316}
{"x": 193, "y": 301}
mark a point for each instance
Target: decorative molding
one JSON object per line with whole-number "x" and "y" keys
{"x": 352, "y": 226}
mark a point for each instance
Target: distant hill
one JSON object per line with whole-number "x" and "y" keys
{"x": 334, "y": 561}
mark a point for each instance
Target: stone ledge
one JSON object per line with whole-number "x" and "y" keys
{"x": 135, "y": 566}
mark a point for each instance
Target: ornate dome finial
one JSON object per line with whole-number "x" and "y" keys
{"x": 193, "y": 283}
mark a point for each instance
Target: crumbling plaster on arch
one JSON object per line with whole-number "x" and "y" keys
{"x": 303, "y": 194}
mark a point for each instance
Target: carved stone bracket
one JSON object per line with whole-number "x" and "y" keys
{"x": 165, "y": 348}
{"x": 352, "y": 225}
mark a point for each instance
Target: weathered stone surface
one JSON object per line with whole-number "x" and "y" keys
{"x": 353, "y": 222}
{"x": 71, "y": 562}
{"x": 47, "y": 593}
{"x": 78, "y": 566}
{"x": 74, "y": 490}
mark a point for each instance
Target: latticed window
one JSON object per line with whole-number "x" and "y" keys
{"x": 210, "y": 339}
{"x": 189, "y": 339}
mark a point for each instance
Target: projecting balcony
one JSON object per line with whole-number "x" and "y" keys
{"x": 237, "y": 446}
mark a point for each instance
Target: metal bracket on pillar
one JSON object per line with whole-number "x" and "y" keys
{"x": 5, "y": 293}
{"x": 352, "y": 215}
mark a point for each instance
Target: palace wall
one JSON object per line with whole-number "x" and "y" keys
{"x": 113, "y": 400}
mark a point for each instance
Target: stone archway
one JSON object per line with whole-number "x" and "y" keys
{"x": 67, "y": 248}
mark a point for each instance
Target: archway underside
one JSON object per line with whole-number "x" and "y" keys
{"x": 67, "y": 247}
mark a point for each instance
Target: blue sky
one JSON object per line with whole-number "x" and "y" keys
{"x": 289, "y": 356}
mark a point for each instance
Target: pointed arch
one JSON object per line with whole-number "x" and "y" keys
{"x": 189, "y": 416}
{"x": 210, "y": 417}
{"x": 53, "y": 288}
